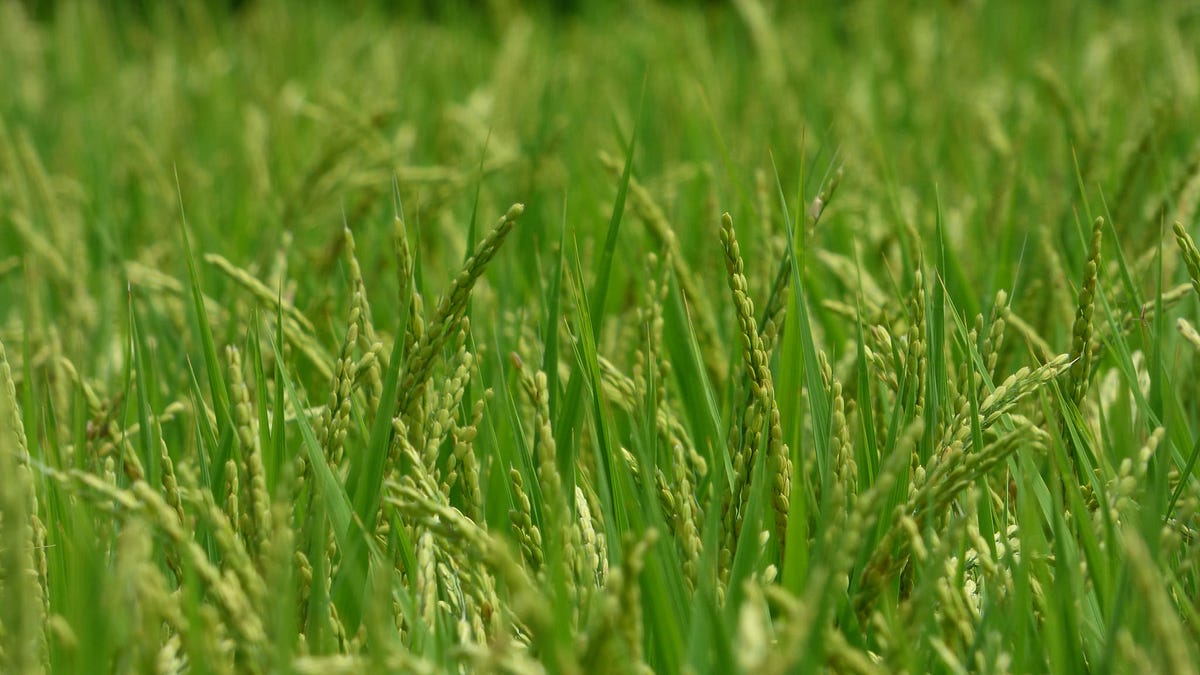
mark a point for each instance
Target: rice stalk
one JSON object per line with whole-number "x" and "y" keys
{"x": 449, "y": 312}
{"x": 1191, "y": 256}
{"x": 762, "y": 411}
{"x": 1081, "y": 335}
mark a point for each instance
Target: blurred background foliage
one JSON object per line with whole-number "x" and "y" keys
{"x": 278, "y": 117}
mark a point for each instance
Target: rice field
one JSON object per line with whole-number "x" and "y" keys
{"x": 576, "y": 337}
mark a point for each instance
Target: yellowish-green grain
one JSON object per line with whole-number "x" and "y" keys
{"x": 762, "y": 411}
{"x": 1081, "y": 336}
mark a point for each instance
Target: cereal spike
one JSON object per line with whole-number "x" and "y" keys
{"x": 761, "y": 409}
{"x": 22, "y": 610}
{"x": 449, "y": 312}
{"x": 1189, "y": 332}
{"x": 1191, "y": 256}
{"x": 12, "y": 411}
{"x": 1081, "y": 337}
{"x": 917, "y": 360}
{"x": 1163, "y": 621}
{"x": 356, "y": 282}
{"x": 336, "y": 417}
{"x": 256, "y": 288}
{"x": 521, "y": 515}
{"x": 407, "y": 285}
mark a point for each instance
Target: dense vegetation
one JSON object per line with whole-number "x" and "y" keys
{"x": 636, "y": 337}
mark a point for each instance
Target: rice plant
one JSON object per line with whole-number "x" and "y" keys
{"x": 599, "y": 337}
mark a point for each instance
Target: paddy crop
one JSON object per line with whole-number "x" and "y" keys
{"x": 616, "y": 337}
